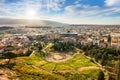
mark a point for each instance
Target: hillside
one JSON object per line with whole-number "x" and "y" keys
{"x": 35, "y": 67}
{"x": 9, "y": 21}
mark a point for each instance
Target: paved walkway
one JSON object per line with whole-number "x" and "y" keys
{"x": 3, "y": 75}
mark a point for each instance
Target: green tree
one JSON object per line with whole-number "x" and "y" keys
{"x": 9, "y": 55}
{"x": 118, "y": 68}
{"x": 103, "y": 60}
{"x": 38, "y": 46}
{"x": 101, "y": 76}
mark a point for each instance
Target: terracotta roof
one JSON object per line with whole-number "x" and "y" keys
{"x": 2, "y": 47}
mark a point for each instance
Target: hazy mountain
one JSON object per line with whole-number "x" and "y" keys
{"x": 8, "y": 21}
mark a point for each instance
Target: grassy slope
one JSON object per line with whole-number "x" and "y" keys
{"x": 35, "y": 67}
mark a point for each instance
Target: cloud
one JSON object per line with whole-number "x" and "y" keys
{"x": 112, "y": 2}
{"x": 81, "y": 10}
{"x": 54, "y": 5}
{"x": 77, "y": 1}
{"x": 80, "y": 13}
{"x": 18, "y": 8}
{"x": 57, "y": 10}
{"x": 1, "y": 1}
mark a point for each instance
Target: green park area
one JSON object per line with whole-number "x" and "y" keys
{"x": 36, "y": 67}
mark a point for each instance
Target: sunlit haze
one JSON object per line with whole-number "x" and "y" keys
{"x": 31, "y": 14}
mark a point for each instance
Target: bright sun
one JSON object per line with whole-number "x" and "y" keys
{"x": 31, "y": 14}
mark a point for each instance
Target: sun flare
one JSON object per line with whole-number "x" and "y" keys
{"x": 31, "y": 14}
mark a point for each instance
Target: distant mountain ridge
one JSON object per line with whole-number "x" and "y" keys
{"x": 9, "y": 21}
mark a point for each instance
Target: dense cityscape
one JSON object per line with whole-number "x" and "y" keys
{"x": 101, "y": 35}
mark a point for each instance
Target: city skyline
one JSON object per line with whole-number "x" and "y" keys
{"x": 67, "y": 11}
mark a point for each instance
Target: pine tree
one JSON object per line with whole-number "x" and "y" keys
{"x": 103, "y": 60}
{"x": 101, "y": 76}
{"x": 118, "y": 68}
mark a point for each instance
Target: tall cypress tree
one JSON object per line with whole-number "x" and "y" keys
{"x": 103, "y": 60}
{"x": 118, "y": 68}
{"x": 101, "y": 76}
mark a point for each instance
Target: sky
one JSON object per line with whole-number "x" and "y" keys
{"x": 67, "y": 11}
